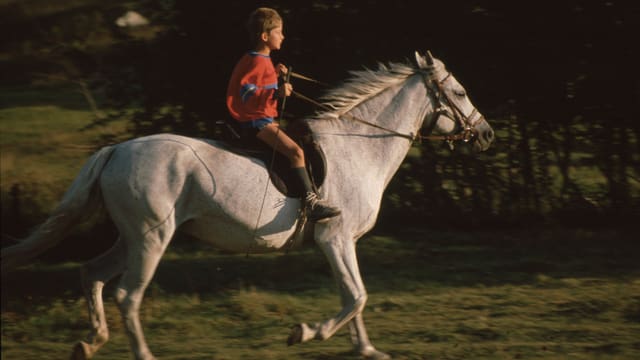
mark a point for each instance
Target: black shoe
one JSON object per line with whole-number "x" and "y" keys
{"x": 316, "y": 210}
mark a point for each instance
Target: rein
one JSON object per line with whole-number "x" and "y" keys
{"x": 467, "y": 134}
{"x": 351, "y": 117}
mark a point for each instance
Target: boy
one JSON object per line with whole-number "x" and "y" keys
{"x": 252, "y": 101}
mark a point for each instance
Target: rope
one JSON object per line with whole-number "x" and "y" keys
{"x": 302, "y": 77}
{"x": 411, "y": 137}
{"x": 466, "y": 134}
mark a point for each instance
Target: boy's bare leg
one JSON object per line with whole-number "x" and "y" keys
{"x": 279, "y": 140}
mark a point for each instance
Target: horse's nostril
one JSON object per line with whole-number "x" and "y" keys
{"x": 489, "y": 135}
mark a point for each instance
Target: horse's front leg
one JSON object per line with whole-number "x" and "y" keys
{"x": 344, "y": 263}
{"x": 361, "y": 341}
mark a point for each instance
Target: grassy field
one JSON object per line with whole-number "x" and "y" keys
{"x": 557, "y": 294}
{"x": 45, "y": 138}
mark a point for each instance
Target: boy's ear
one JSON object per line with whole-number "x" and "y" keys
{"x": 264, "y": 36}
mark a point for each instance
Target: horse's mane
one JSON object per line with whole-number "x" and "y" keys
{"x": 363, "y": 85}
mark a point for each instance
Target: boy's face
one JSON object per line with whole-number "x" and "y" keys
{"x": 273, "y": 39}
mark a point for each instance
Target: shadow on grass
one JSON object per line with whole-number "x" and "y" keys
{"x": 403, "y": 262}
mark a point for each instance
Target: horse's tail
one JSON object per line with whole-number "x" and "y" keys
{"x": 81, "y": 200}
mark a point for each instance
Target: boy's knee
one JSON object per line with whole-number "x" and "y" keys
{"x": 300, "y": 154}
{"x": 296, "y": 155}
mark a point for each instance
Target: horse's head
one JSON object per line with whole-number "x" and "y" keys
{"x": 454, "y": 118}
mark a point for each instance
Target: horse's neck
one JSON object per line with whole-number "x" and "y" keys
{"x": 368, "y": 152}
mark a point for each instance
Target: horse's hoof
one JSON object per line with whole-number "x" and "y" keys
{"x": 378, "y": 356}
{"x": 296, "y": 335}
{"x": 81, "y": 351}
{"x": 373, "y": 354}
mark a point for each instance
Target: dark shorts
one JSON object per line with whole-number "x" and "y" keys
{"x": 249, "y": 129}
{"x": 258, "y": 124}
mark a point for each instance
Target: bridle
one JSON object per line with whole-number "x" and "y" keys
{"x": 466, "y": 123}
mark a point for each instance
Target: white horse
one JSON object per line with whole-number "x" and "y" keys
{"x": 153, "y": 185}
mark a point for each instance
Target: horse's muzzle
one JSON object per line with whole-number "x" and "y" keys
{"x": 484, "y": 136}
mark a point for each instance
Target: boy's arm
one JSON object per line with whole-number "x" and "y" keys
{"x": 251, "y": 84}
{"x": 248, "y": 84}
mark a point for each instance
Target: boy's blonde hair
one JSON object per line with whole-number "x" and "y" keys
{"x": 262, "y": 20}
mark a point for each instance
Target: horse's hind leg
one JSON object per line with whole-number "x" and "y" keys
{"x": 143, "y": 257}
{"x": 95, "y": 274}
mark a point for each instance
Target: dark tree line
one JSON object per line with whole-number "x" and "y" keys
{"x": 557, "y": 81}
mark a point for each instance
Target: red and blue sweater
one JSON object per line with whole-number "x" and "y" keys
{"x": 253, "y": 83}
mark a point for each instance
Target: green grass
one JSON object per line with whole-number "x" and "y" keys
{"x": 45, "y": 138}
{"x": 557, "y": 294}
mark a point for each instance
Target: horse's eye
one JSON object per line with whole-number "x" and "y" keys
{"x": 460, "y": 93}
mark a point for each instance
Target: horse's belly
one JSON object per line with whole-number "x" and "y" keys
{"x": 235, "y": 237}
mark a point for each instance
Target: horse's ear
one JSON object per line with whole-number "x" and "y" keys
{"x": 429, "y": 58}
{"x": 420, "y": 61}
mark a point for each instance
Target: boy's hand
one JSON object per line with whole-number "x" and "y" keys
{"x": 286, "y": 89}
{"x": 281, "y": 69}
